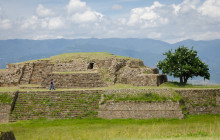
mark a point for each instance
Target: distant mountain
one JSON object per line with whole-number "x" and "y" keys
{"x": 149, "y": 50}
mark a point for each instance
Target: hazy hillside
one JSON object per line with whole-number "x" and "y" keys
{"x": 149, "y": 50}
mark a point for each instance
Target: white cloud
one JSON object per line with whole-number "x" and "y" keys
{"x": 79, "y": 13}
{"x": 36, "y": 23}
{"x": 190, "y": 19}
{"x": 116, "y": 7}
{"x": 43, "y": 12}
{"x": 176, "y": 8}
{"x": 55, "y": 23}
{"x": 207, "y": 36}
{"x": 185, "y": 6}
{"x": 210, "y": 8}
{"x": 146, "y": 17}
{"x": 88, "y": 16}
{"x": 188, "y": 5}
{"x": 44, "y": 19}
{"x": 5, "y": 24}
{"x": 30, "y": 23}
{"x": 76, "y": 6}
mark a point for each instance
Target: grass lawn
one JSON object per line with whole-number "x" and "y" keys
{"x": 169, "y": 85}
{"x": 192, "y": 127}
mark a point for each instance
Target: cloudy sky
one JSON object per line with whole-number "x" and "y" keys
{"x": 167, "y": 20}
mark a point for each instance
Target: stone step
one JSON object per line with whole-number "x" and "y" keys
{"x": 63, "y": 105}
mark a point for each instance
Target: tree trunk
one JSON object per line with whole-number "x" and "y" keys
{"x": 181, "y": 80}
{"x": 185, "y": 80}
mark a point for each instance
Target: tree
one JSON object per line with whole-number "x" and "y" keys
{"x": 183, "y": 64}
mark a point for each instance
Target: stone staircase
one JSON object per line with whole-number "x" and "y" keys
{"x": 55, "y": 105}
{"x": 26, "y": 74}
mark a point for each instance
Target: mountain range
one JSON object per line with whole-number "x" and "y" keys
{"x": 148, "y": 50}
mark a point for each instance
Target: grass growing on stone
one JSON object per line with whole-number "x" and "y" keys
{"x": 83, "y": 55}
{"x": 5, "y": 98}
{"x": 9, "y": 89}
{"x": 199, "y": 127}
{"x": 125, "y": 86}
{"x": 88, "y": 56}
{"x": 146, "y": 97}
{"x": 177, "y": 85}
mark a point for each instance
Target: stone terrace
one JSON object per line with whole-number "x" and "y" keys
{"x": 82, "y": 70}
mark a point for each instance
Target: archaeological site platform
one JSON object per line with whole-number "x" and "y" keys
{"x": 99, "y": 85}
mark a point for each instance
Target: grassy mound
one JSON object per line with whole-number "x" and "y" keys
{"x": 87, "y": 56}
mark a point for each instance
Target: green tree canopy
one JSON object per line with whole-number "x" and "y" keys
{"x": 184, "y": 64}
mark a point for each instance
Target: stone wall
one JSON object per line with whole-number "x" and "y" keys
{"x": 88, "y": 103}
{"x": 92, "y": 103}
{"x": 12, "y": 75}
{"x": 55, "y": 105}
{"x": 201, "y": 101}
{"x": 149, "y": 80}
{"x": 40, "y": 71}
{"x": 112, "y": 70}
{"x": 4, "y": 112}
{"x": 74, "y": 65}
{"x": 142, "y": 76}
{"x": 140, "y": 110}
{"x": 160, "y": 91}
{"x": 25, "y": 73}
{"x": 73, "y": 80}
{"x": 6, "y": 105}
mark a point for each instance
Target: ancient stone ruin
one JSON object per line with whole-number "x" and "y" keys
{"x": 81, "y": 70}
{"x": 88, "y": 70}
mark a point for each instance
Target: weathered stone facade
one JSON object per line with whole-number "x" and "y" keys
{"x": 201, "y": 101}
{"x": 140, "y": 110}
{"x": 25, "y": 73}
{"x": 4, "y": 112}
{"x": 74, "y": 80}
{"x": 6, "y": 105}
{"x": 92, "y": 103}
{"x": 55, "y": 105}
{"x": 106, "y": 71}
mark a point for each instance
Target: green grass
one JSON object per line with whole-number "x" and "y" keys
{"x": 9, "y": 89}
{"x": 88, "y": 56}
{"x": 177, "y": 85}
{"x": 146, "y": 97}
{"x": 193, "y": 127}
{"x": 5, "y": 98}
{"x": 30, "y": 85}
{"x": 168, "y": 85}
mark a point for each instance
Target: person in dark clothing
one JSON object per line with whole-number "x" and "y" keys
{"x": 51, "y": 85}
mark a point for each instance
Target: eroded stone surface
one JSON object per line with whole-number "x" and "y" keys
{"x": 108, "y": 71}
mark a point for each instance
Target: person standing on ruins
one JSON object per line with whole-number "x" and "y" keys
{"x": 51, "y": 85}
